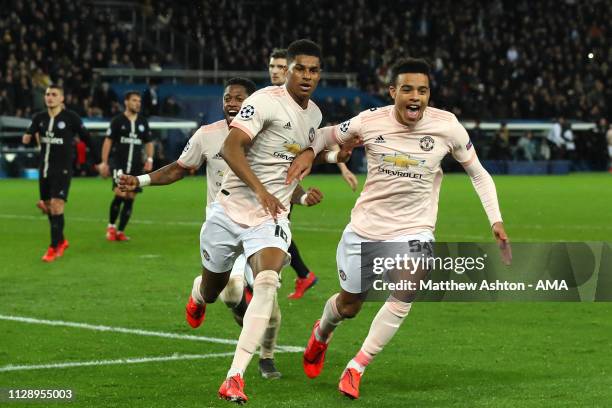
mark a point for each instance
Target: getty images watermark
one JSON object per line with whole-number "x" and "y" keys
{"x": 575, "y": 271}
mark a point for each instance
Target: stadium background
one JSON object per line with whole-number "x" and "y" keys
{"x": 516, "y": 62}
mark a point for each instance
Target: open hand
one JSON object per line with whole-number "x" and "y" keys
{"x": 503, "y": 242}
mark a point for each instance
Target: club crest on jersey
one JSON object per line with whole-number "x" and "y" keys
{"x": 141, "y": 127}
{"x": 311, "y": 135}
{"x": 426, "y": 143}
{"x": 247, "y": 112}
{"x": 61, "y": 124}
{"x": 344, "y": 126}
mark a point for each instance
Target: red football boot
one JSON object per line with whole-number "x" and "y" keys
{"x": 50, "y": 255}
{"x": 349, "y": 383}
{"x": 41, "y": 205}
{"x": 62, "y": 247}
{"x": 302, "y": 285}
{"x": 194, "y": 313}
{"x": 121, "y": 236}
{"x": 232, "y": 390}
{"x": 314, "y": 355}
{"x": 111, "y": 233}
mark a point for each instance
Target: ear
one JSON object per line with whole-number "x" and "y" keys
{"x": 392, "y": 92}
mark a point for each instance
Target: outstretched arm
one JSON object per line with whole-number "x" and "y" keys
{"x": 485, "y": 188}
{"x": 166, "y": 175}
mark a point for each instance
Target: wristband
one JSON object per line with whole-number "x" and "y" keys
{"x": 303, "y": 199}
{"x": 331, "y": 157}
{"x": 150, "y": 159}
{"x": 144, "y": 180}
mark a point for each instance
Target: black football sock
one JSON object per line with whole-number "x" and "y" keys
{"x": 296, "y": 261}
{"x": 126, "y": 212}
{"x": 61, "y": 226}
{"x": 56, "y": 234}
{"x": 114, "y": 209}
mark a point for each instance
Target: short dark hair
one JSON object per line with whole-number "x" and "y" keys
{"x": 56, "y": 86}
{"x": 129, "y": 94}
{"x": 247, "y": 83}
{"x": 303, "y": 47}
{"x": 409, "y": 66}
{"x": 279, "y": 53}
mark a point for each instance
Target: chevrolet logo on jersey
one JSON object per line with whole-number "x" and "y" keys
{"x": 292, "y": 150}
{"x": 403, "y": 161}
{"x": 398, "y": 163}
{"x": 131, "y": 140}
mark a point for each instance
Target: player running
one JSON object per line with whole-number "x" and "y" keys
{"x": 405, "y": 144}
{"x": 127, "y": 133}
{"x": 204, "y": 147}
{"x": 250, "y": 215}
{"x": 55, "y": 131}
{"x": 277, "y": 69}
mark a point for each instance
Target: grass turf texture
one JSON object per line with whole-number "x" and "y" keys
{"x": 446, "y": 354}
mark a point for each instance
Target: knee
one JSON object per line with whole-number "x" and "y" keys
{"x": 348, "y": 310}
{"x": 56, "y": 207}
{"x": 266, "y": 281}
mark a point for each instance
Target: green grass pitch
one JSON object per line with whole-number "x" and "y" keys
{"x": 445, "y": 354}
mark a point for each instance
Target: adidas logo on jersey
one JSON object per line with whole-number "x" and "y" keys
{"x": 380, "y": 139}
{"x": 287, "y": 126}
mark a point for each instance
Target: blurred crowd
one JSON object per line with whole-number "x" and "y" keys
{"x": 500, "y": 59}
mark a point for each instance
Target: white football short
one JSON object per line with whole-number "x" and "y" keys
{"x": 222, "y": 240}
{"x": 348, "y": 257}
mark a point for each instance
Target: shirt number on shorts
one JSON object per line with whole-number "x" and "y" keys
{"x": 418, "y": 246}
{"x": 280, "y": 232}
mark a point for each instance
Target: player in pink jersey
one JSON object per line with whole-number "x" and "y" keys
{"x": 203, "y": 147}
{"x": 405, "y": 144}
{"x": 250, "y": 215}
{"x": 277, "y": 68}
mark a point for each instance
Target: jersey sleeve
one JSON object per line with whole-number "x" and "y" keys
{"x": 113, "y": 130}
{"x": 337, "y": 134}
{"x": 31, "y": 130}
{"x": 194, "y": 153}
{"x": 79, "y": 128}
{"x": 347, "y": 129}
{"x": 460, "y": 144}
{"x": 255, "y": 114}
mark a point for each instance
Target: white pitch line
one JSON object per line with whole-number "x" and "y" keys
{"x": 174, "y": 357}
{"x": 337, "y": 229}
{"x": 139, "y": 332}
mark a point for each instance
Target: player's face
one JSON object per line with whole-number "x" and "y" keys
{"x": 278, "y": 70}
{"x": 53, "y": 98}
{"x": 411, "y": 95}
{"x": 132, "y": 104}
{"x": 233, "y": 97}
{"x": 303, "y": 76}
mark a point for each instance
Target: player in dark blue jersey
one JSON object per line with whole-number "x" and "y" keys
{"x": 127, "y": 134}
{"x": 55, "y": 131}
